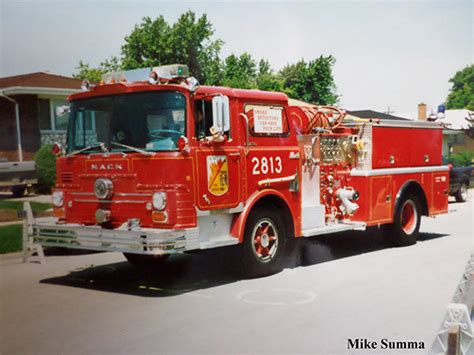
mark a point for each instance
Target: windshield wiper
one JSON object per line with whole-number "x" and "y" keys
{"x": 100, "y": 145}
{"x": 135, "y": 149}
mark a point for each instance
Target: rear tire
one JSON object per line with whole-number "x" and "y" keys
{"x": 146, "y": 261}
{"x": 461, "y": 195}
{"x": 264, "y": 244}
{"x": 406, "y": 223}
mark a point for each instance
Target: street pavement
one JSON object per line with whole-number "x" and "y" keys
{"x": 344, "y": 286}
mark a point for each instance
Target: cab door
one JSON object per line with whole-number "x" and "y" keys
{"x": 218, "y": 164}
{"x": 273, "y": 157}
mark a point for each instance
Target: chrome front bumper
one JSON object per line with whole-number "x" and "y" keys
{"x": 138, "y": 241}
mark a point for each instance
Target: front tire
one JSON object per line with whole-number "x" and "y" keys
{"x": 264, "y": 243}
{"x": 146, "y": 261}
{"x": 406, "y": 223}
{"x": 461, "y": 195}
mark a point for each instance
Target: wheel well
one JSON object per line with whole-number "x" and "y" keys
{"x": 414, "y": 188}
{"x": 277, "y": 203}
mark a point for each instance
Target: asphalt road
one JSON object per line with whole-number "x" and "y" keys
{"x": 348, "y": 285}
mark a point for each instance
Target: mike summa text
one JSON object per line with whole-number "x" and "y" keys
{"x": 364, "y": 344}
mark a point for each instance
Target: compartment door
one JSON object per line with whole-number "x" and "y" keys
{"x": 380, "y": 199}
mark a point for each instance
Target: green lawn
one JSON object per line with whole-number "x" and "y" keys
{"x": 18, "y": 205}
{"x": 11, "y": 238}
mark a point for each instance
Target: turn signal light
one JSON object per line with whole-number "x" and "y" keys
{"x": 59, "y": 213}
{"x": 159, "y": 217}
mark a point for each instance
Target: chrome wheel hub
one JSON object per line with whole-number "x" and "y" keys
{"x": 264, "y": 240}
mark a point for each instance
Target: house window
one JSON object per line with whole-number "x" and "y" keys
{"x": 44, "y": 114}
{"x": 49, "y": 120}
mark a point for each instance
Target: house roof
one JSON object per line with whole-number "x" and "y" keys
{"x": 38, "y": 83}
{"x": 374, "y": 114}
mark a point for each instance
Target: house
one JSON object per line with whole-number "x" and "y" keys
{"x": 35, "y": 97}
{"x": 458, "y": 135}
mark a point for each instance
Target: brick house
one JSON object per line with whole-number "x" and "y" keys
{"x": 37, "y": 96}
{"x": 458, "y": 135}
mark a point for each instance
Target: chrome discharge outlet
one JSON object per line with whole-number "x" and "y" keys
{"x": 102, "y": 216}
{"x": 346, "y": 195}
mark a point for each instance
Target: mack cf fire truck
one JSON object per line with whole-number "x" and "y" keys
{"x": 156, "y": 164}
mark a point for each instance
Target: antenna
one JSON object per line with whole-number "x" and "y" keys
{"x": 388, "y": 112}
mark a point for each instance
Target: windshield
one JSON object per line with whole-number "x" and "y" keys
{"x": 147, "y": 120}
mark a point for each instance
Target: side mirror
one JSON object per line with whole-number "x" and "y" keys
{"x": 220, "y": 114}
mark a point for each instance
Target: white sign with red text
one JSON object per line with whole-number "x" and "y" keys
{"x": 268, "y": 120}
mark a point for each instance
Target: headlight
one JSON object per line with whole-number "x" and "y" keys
{"x": 159, "y": 200}
{"x": 58, "y": 198}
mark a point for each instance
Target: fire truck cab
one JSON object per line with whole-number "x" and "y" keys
{"x": 156, "y": 164}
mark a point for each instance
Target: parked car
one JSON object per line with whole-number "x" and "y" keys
{"x": 460, "y": 178}
{"x": 17, "y": 176}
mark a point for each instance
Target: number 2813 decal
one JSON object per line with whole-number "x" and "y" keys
{"x": 266, "y": 165}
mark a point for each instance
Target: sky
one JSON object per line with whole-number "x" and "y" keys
{"x": 388, "y": 53}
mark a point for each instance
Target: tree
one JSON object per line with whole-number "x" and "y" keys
{"x": 188, "y": 41}
{"x": 85, "y": 71}
{"x": 462, "y": 91}
{"x": 240, "y": 72}
{"x": 311, "y": 81}
{"x": 266, "y": 79}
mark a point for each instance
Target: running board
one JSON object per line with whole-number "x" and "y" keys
{"x": 333, "y": 228}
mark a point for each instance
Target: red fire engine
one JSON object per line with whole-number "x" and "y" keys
{"x": 156, "y": 164}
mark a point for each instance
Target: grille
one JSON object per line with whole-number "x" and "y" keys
{"x": 66, "y": 178}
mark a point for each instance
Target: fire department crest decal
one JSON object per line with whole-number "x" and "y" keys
{"x": 217, "y": 174}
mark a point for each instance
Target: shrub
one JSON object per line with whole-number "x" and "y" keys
{"x": 462, "y": 158}
{"x": 46, "y": 167}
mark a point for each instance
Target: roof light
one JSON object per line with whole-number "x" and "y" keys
{"x": 86, "y": 85}
{"x": 172, "y": 71}
{"x": 192, "y": 83}
{"x": 153, "y": 78}
{"x": 162, "y": 73}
